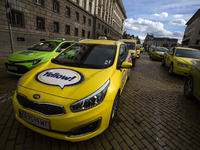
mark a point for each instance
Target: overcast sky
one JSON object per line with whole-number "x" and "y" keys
{"x": 163, "y": 18}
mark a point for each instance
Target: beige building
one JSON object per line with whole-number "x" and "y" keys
{"x": 37, "y": 20}
{"x": 161, "y": 42}
{"x": 191, "y": 36}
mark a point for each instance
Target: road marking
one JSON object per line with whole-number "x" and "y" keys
{"x": 9, "y": 98}
{"x": 159, "y": 130}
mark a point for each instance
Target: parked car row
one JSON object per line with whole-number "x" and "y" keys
{"x": 181, "y": 61}
{"x": 75, "y": 94}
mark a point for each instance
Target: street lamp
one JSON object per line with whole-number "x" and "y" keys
{"x": 8, "y": 15}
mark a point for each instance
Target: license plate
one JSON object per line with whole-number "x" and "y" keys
{"x": 12, "y": 68}
{"x": 40, "y": 122}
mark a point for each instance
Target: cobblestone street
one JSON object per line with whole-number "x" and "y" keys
{"x": 152, "y": 114}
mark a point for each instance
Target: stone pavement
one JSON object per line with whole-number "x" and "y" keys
{"x": 153, "y": 114}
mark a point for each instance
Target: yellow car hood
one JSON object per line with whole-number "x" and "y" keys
{"x": 189, "y": 61}
{"x": 88, "y": 82}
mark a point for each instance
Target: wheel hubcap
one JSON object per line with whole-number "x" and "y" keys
{"x": 188, "y": 87}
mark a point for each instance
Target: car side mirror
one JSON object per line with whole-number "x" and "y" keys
{"x": 170, "y": 53}
{"x": 126, "y": 65}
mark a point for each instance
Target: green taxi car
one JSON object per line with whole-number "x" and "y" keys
{"x": 21, "y": 62}
{"x": 192, "y": 82}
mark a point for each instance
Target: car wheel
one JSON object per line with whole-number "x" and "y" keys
{"x": 188, "y": 88}
{"x": 163, "y": 62}
{"x": 171, "y": 69}
{"x": 114, "y": 110}
{"x": 129, "y": 74}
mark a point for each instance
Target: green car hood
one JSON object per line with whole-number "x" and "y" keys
{"x": 27, "y": 55}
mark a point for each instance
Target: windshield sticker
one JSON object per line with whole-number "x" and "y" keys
{"x": 27, "y": 52}
{"x": 59, "y": 77}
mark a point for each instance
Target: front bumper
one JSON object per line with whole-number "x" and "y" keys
{"x": 181, "y": 70}
{"x": 69, "y": 126}
{"x": 158, "y": 57}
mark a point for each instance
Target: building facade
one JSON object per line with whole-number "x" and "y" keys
{"x": 161, "y": 42}
{"x": 36, "y": 20}
{"x": 191, "y": 36}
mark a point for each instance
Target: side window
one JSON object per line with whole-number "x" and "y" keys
{"x": 62, "y": 47}
{"x": 123, "y": 51}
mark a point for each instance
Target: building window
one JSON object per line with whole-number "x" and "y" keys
{"x": 77, "y": 2}
{"x": 99, "y": 11}
{"x": 77, "y": 16}
{"x": 67, "y": 11}
{"x": 17, "y": 18}
{"x": 84, "y": 19}
{"x": 83, "y": 33}
{"x": 40, "y": 23}
{"x": 90, "y": 7}
{"x": 55, "y": 26}
{"x": 199, "y": 32}
{"x": 76, "y": 32}
{"x": 67, "y": 30}
{"x": 55, "y": 6}
{"x": 84, "y": 4}
{"x": 88, "y": 34}
{"x": 89, "y": 22}
{"x": 197, "y": 42}
{"x": 39, "y": 2}
{"x": 102, "y": 27}
{"x": 98, "y": 25}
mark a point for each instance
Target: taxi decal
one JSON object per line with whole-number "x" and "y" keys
{"x": 59, "y": 77}
{"x": 27, "y": 52}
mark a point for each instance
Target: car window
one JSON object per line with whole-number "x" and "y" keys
{"x": 123, "y": 51}
{"x": 87, "y": 55}
{"x": 130, "y": 45}
{"x": 45, "y": 46}
{"x": 187, "y": 53}
{"x": 160, "y": 49}
{"x": 63, "y": 46}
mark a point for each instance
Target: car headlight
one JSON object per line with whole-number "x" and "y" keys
{"x": 194, "y": 62}
{"x": 36, "y": 61}
{"x": 92, "y": 100}
{"x": 156, "y": 53}
{"x": 182, "y": 65}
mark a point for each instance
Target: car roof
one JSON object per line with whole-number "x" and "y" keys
{"x": 187, "y": 48}
{"x": 58, "y": 41}
{"x": 128, "y": 40}
{"x": 106, "y": 42}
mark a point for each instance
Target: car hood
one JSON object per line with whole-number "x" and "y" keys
{"x": 27, "y": 55}
{"x": 46, "y": 78}
{"x": 160, "y": 53}
{"x": 189, "y": 61}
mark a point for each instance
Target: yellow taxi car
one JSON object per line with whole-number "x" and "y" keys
{"x": 192, "y": 82}
{"x": 131, "y": 44}
{"x": 140, "y": 47}
{"x": 180, "y": 59}
{"x": 75, "y": 95}
{"x": 158, "y": 53}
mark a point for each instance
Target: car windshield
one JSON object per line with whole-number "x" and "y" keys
{"x": 161, "y": 49}
{"x": 87, "y": 56}
{"x": 187, "y": 53}
{"x": 45, "y": 46}
{"x": 131, "y": 45}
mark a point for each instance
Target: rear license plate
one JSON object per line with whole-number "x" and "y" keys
{"x": 40, "y": 122}
{"x": 12, "y": 68}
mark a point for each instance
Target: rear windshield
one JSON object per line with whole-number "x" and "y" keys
{"x": 87, "y": 56}
{"x": 187, "y": 53}
{"x": 130, "y": 45}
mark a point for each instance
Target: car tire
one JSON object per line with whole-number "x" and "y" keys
{"x": 129, "y": 74}
{"x": 171, "y": 69}
{"x": 188, "y": 87}
{"x": 114, "y": 110}
{"x": 163, "y": 62}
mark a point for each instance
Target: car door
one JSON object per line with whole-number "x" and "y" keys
{"x": 123, "y": 53}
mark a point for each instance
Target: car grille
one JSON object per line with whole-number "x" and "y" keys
{"x": 20, "y": 69}
{"x": 46, "y": 109}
